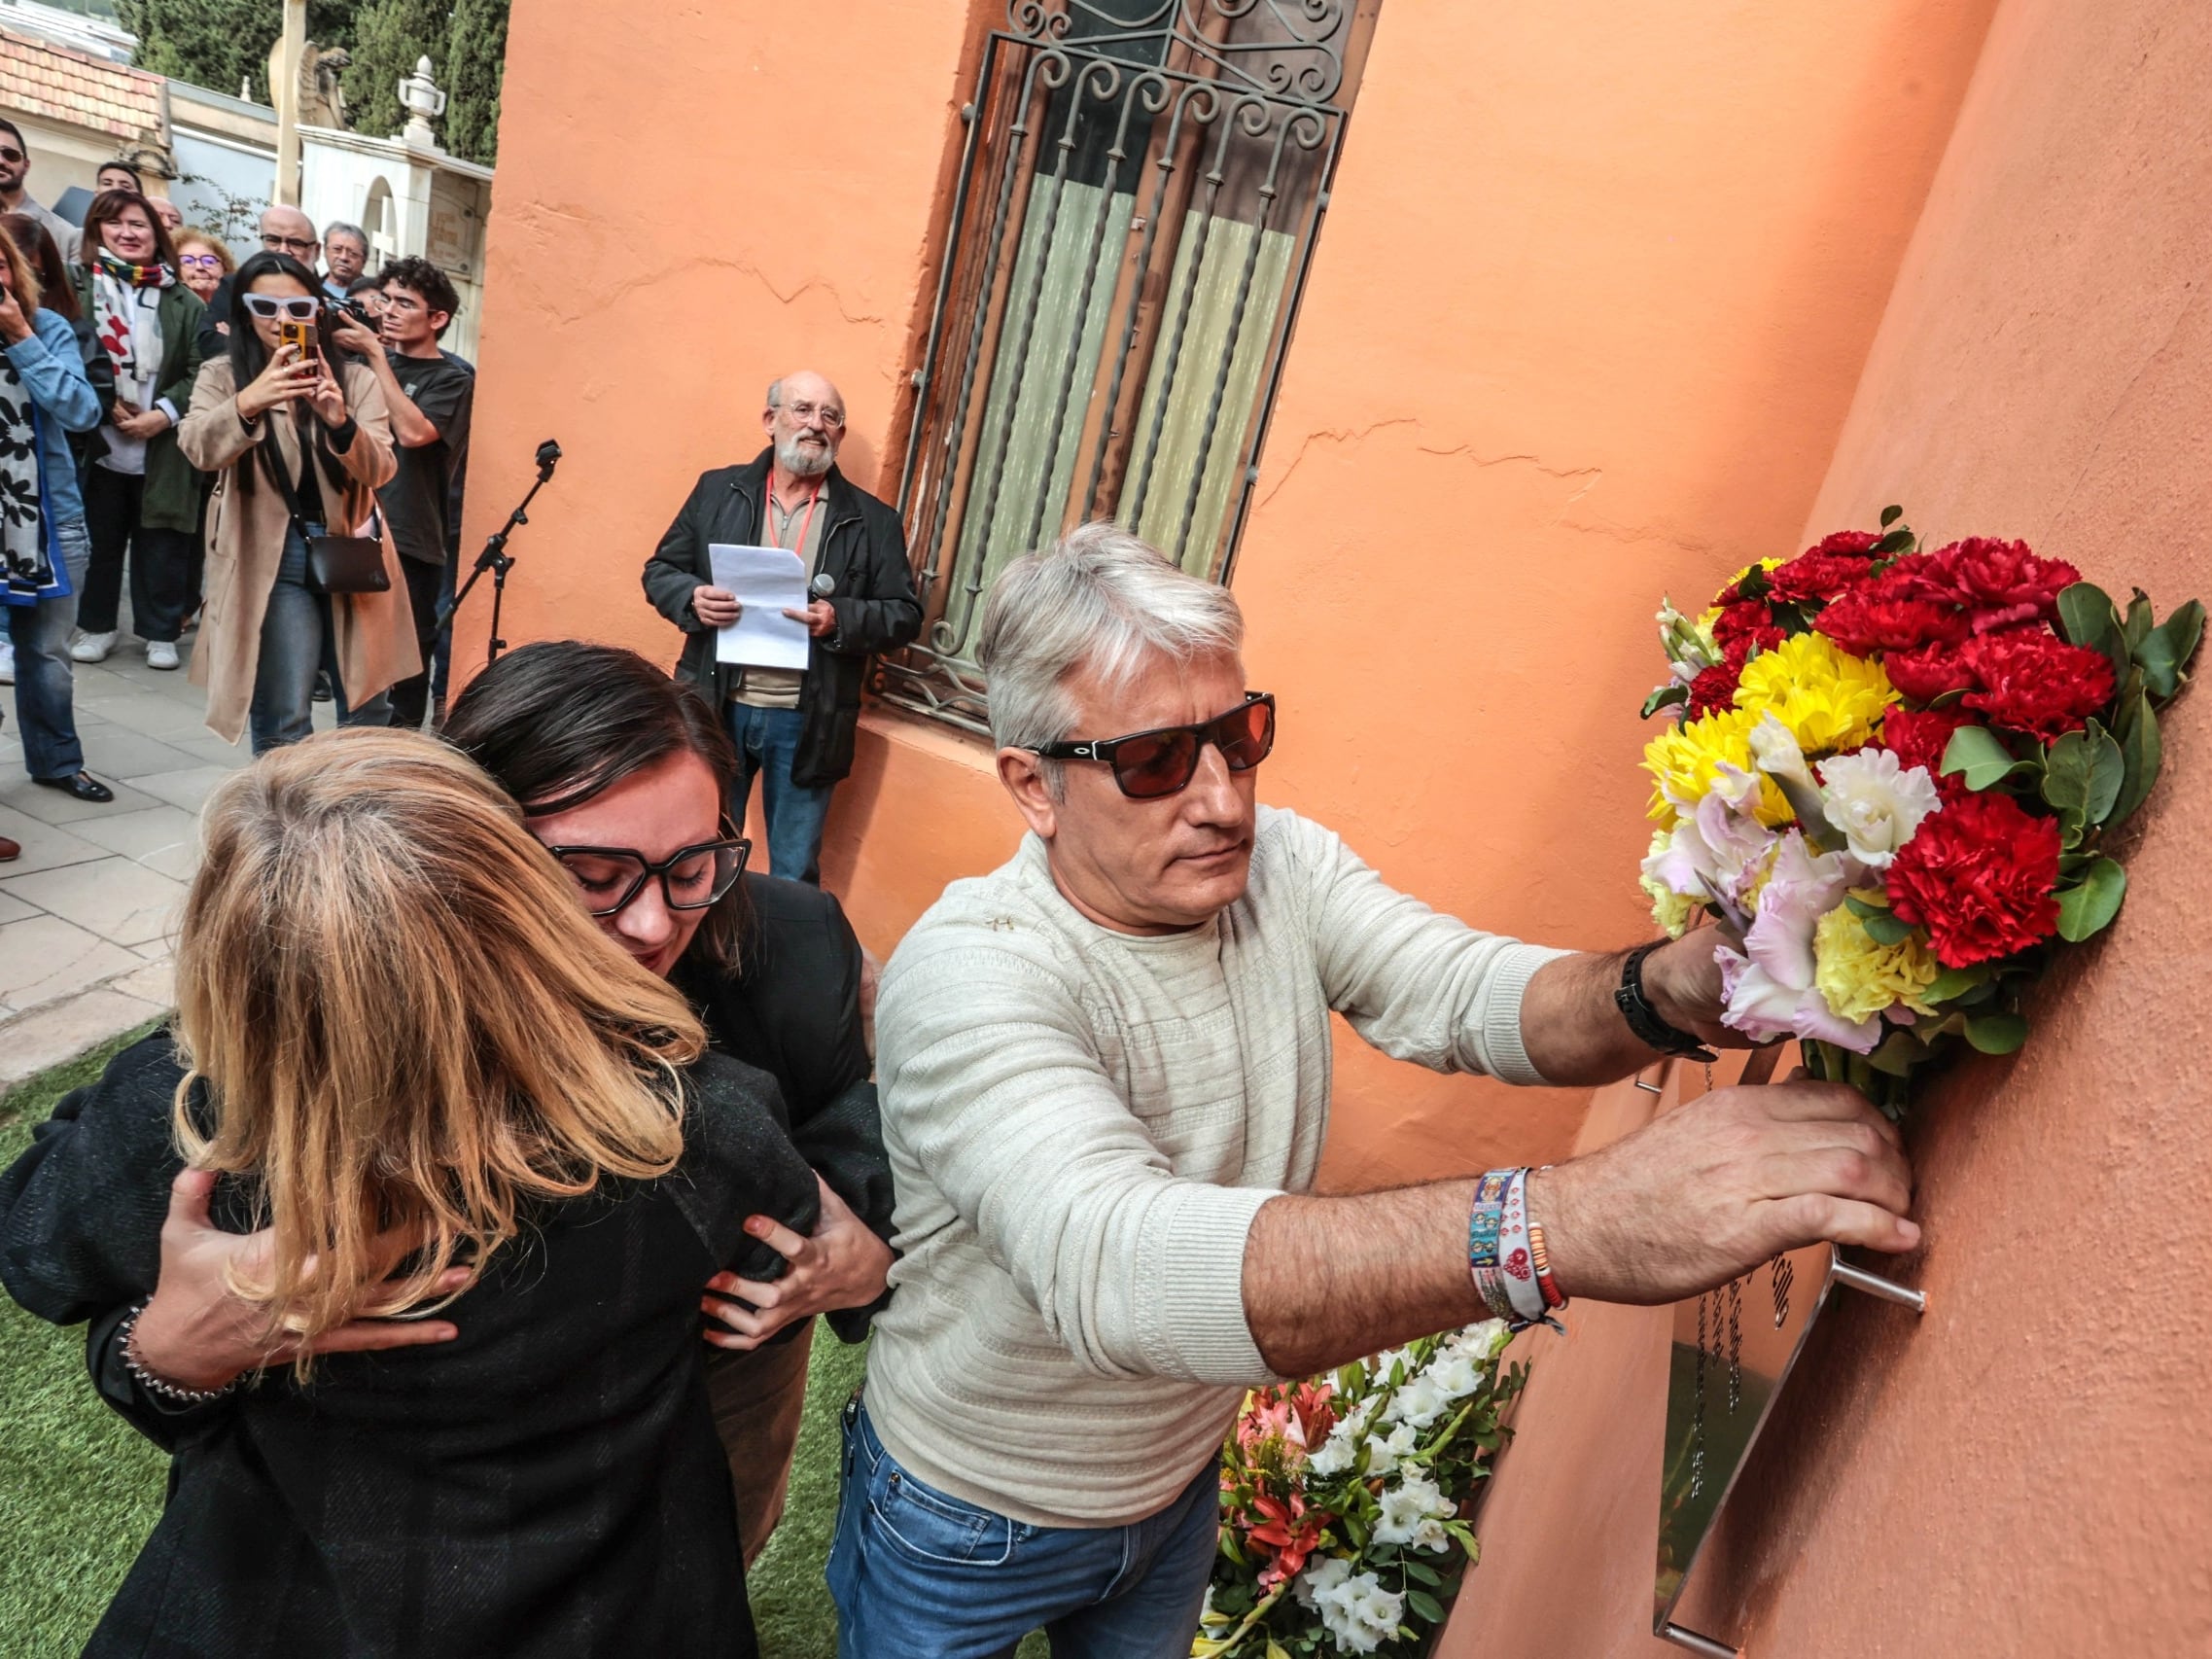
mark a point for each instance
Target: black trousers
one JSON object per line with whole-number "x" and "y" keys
{"x": 162, "y": 577}
{"x": 411, "y": 697}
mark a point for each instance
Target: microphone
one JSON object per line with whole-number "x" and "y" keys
{"x": 823, "y": 585}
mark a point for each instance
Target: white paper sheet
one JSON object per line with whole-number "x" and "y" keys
{"x": 767, "y": 581}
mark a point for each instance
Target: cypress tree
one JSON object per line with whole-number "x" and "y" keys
{"x": 475, "y": 56}
{"x": 388, "y": 37}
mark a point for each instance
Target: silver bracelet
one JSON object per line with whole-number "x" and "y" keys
{"x": 175, "y": 1394}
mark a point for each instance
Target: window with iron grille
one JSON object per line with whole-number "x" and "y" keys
{"x": 1140, "y": 190}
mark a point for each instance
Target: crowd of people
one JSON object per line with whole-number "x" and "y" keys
{"x": 462, "y": 1240}
{"x": 269, "y": 456}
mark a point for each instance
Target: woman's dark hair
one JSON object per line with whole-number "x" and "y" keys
{"x": 559, "y": 722}
{"x": 110, "y": 202}
{"x": 249, "y": 357}
{"x": 56, "y": 293}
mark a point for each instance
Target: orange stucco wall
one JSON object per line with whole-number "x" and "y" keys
{"x": 1583, "y": 324}
{"x": 2026, "y": 1472}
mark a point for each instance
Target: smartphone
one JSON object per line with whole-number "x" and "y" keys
{"x": 291, "y": 331}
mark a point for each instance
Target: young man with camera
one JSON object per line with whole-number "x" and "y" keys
{"x": 431, "y": 396}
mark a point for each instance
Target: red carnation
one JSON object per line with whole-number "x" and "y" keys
{"x": 1858, "y": 542}
{"x": 1978, "y": 875}
{"x": 1816, "y": 575}
{"x": 2034, "y": 682}
{"x": 1714, "y": 688}
{"x": 1926, "y": 674}
{"x": 1868, "y": 620}
{"x": 1999, "y": 584}
{"x": 1919, "y": 737}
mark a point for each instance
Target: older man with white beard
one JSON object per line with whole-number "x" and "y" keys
{"x": 793, "y": 727}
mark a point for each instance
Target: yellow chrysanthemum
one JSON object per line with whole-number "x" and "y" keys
{"x": 1858, "y": 977}
{"x": 1684, "y": 762}
{"x": 1762, "y": 564}
{"x": 1831, "y": 700}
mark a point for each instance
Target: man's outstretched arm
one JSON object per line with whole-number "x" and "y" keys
{"x": 1692, "y": 1200}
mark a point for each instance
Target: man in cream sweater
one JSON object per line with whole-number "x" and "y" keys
{"x": 1105, "y": 1073}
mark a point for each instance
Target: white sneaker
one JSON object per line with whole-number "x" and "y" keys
{"x": 7, "y": 662}
{"x": 92, "y": 648}
{"x": 161, "y": 654}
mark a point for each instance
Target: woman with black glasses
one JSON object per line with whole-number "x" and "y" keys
{"x": 298, "y": 441}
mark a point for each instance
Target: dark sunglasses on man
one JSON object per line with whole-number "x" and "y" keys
{"x": 692, "y": 878}
{"x": 1148, "y": 765}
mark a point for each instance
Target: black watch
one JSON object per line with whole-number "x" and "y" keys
{"x": 1644, "y": 1019}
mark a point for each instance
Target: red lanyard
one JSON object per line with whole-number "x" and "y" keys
{"x": 812, "y": 501}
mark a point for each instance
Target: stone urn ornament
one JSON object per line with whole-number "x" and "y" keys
{"x": 424, "y": 102}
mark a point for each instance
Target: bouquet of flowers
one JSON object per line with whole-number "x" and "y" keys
{"x": 1345, "y": 1501}
{"x": 1893, "y": 777}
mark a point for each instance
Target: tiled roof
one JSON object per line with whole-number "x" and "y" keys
{"x": 51, "y": 81}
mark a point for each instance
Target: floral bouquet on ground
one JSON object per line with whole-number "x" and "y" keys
{"x": 1892, "y": 776}
{"x": 1345, "y": 1501}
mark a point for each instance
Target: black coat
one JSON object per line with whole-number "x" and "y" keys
{"x": 794, "y": 1009}
{"x": 548, "y": 1484}
{"x": 863, "y": 550}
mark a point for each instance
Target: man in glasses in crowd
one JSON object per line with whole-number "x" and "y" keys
{"x": 1105, "y": 1075}
{"x": 15, "y": 198}
{"x": 793, "y": 727}
{"x": 283, "y": 230}
{"x": 345, "y": 255}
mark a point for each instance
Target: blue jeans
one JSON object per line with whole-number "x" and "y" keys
{"x": 296, "y": 640}
{"x": 766, "y": 739}
{"x": 925, "y": 1575}
{"x": 44, "y": 690}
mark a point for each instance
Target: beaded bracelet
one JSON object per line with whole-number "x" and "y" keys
{"x": 161, "y": 1388}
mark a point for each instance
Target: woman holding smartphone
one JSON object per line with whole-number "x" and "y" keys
{"x": 298, "y": 441}
{"x": 404, "y": 1050}
{"x": 141, "y": 500}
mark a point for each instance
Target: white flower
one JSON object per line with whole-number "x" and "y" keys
{"x": 1419, "y": 1401}
{"x": 1480, "y": 1342}
{"x": 1322, "y": 1574}
{"x": 1774, "y": 746}
{"x": 1877, "y": 801}
{"x": 1335, "y": 1456}
{"x": 1453, "y": 1375}
{"x": 1413, "y": 1513}
{"x": 1383, "y": 1455}
{"x": 1359, "y": 1612}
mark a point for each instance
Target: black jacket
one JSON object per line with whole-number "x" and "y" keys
{"x": 863, "y": 550}
{"x": 548, "y": 1484}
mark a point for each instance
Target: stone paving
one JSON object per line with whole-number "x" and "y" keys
{"x": 87, "y": 913}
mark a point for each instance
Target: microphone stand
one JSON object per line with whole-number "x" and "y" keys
{"x": 497, "y": 559}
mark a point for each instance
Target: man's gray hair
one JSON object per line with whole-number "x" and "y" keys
{"x": 340, "y": 227}
{"x": 1101, "y": 599}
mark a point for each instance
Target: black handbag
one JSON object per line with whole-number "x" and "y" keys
{"x": 335, "y": 564}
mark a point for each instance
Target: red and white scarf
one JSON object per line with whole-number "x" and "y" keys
{"x": 127, "y": 318}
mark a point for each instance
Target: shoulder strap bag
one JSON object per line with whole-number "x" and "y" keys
{"x": 335, "y": 564}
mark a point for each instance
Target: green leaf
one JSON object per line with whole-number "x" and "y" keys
{"x": 1890, "y": 515}
{"x": 1421, "y": 1574}
{"x": 1884, "y": 928}
{"x": 2141, "y": 752}
{"x": 1978, "y": 755}
{"x": 1996, "y": 1034}
{"x": 2089, "y": 908}
{"x": 2166, "y": 648}
{"x": 1666, "y": 697}
{"x": 1896, "y": 542}
{"x": 1899, "y": 1053}
{"x": 2138, "y": 620}
{"x": 1754, "y": 585}
{"x": 1953, "y": 983}
{"x": 2086, "y": 617}
{"x": 2082, "y": 777}
{"x": 1423, "y": 1603}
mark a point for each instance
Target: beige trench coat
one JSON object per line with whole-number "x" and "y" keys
{"x": 245, "y": 541}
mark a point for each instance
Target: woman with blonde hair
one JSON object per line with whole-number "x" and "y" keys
{"x": 404, "y": 1051}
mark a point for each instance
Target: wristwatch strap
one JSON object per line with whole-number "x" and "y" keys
{"x": 1644, "y": 1019}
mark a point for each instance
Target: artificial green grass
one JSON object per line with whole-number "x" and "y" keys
{"x": 79, "y": 1490}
